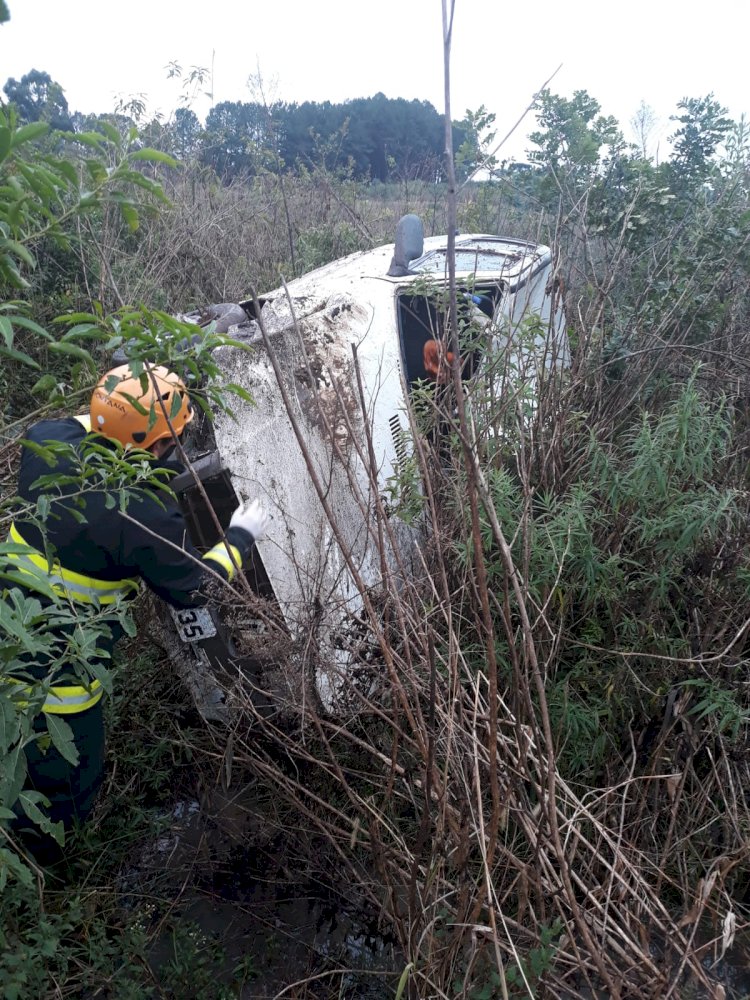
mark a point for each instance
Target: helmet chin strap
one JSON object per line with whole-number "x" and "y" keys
{"x": 163, "y": 448}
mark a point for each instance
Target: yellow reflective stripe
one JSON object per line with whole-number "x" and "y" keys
{"x": 69, "y": 699}
{"x": 84, "y": 419}
{"x": 65, "y": 699}
{"x": 29, "y": 568}
{"x": 87, "y": 583}
{"x": 66, "y": 583}
{"x": 220, "y": 554}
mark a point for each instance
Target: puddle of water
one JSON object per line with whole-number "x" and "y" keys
{"x": 227, "y": 874}
{"x": 225, "y": 869}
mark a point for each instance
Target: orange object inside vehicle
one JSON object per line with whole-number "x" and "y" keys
{"x": 437, "y": 360}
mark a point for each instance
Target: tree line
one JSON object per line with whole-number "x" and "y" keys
{"x": 379, "y": 138}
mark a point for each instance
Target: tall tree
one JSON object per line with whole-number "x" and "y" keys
{"x": 234, "y": 138}
{"x": 573, "y": 136}
{"x": 186, "y": 132}
{"x": 476, "y": 135}
{"x": 38, "y": 98}
{"x": 703, "y": 126}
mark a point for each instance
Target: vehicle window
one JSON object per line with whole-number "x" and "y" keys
{"x": 422, "y": 319}
{"x": 475, "y": 255}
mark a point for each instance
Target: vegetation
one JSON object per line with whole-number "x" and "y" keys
{"x": 376, "y": 138}
{"x": 544, "y": 793}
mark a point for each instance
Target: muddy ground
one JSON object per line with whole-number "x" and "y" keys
{"x": 229, "y": 874}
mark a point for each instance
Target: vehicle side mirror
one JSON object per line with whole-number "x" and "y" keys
{"x": 409, "y": 245}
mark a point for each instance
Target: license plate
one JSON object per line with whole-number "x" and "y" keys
{"x": 193, "y": 624}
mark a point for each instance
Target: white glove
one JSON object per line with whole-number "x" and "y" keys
{"x": 252, "y": 517}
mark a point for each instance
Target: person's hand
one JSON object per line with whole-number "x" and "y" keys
{"x": 252, "y": 517}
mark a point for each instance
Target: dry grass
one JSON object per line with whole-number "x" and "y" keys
{"x": 441, "y": 794}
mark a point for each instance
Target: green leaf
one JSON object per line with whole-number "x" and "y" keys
{"x": 29, "y": 324}
{"x": 101, "y": 674}
{"x": 403, "y": 980}
{"x": 154, "y": 155}
{"x": 9, "y": 271}
{"x": 44, "y": 452}
{"x": 14, "y": 774}
{"x": 153, "y": 187}
{"x": 75, "y": 318}
{"x": 38, "y": 583}
{"x": 6, "y": 329}
{"x": 4, "y": 142}
{"x": 135, "y": 403}
{"x": 83, "y": 331}
{"x": 68, "y": 171}
{"x": 28, "y": 132}
{"x": 44, "y": 386}
{"x": 18, "y": 356}
{"x": 42, "y": 506}
{"x": 9, "y": 726}
{"x": 174, "y": 409}
{"x": 29, "y": 805}
{"x": 231, "y": 342}
{"x": 93, "y": 139}
{"x": 240, "y": 391}
{"x": 129, "y": 626}
{"x": 13, "y": 304}
{"x": 62, "y": 738}
{"x": 130, "y": 216}
{"x": 97, "y": 171}
{"x": 9, "y": 861}
{"x": 19, "y": 250}
{"x": 62, "y": 347}
{"x": 110, "y": 131}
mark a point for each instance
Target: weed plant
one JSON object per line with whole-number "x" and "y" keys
{"x": 542, "y": 788}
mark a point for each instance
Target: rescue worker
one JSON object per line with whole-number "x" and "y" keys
{"x": 102, "y": 555}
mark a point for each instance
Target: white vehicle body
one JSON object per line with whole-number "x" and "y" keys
{"x": 314, "y": 326}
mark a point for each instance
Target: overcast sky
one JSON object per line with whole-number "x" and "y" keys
{"x": 656, "y": 51}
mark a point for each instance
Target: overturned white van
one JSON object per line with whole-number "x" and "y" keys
{"x": 335, "y": 356}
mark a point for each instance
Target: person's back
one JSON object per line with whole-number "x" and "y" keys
{"x": 100, "y": 539}
{"x": 83, "y": 528}
{"x": 89, "y": 532}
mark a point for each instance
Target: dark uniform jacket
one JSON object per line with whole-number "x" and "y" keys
{"x": 106, "y": 545}
{"x": 100, "y": 545}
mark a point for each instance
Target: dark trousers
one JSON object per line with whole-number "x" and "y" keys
{"x": 71, "y": 790}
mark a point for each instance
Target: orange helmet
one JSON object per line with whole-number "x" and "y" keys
{"x": 114, "y": 414}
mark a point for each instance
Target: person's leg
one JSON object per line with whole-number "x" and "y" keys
{"x": 71, "y": 791}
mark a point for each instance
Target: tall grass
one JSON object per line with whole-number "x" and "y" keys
{"x": 540, "y": 783}
{"x": 558, "y": 838}
{"x": 548, "y": 798}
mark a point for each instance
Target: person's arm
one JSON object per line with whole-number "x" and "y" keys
{"x": 160, "y": 550}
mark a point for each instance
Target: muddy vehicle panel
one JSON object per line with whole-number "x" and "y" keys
{"x": 323, "y": 442}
